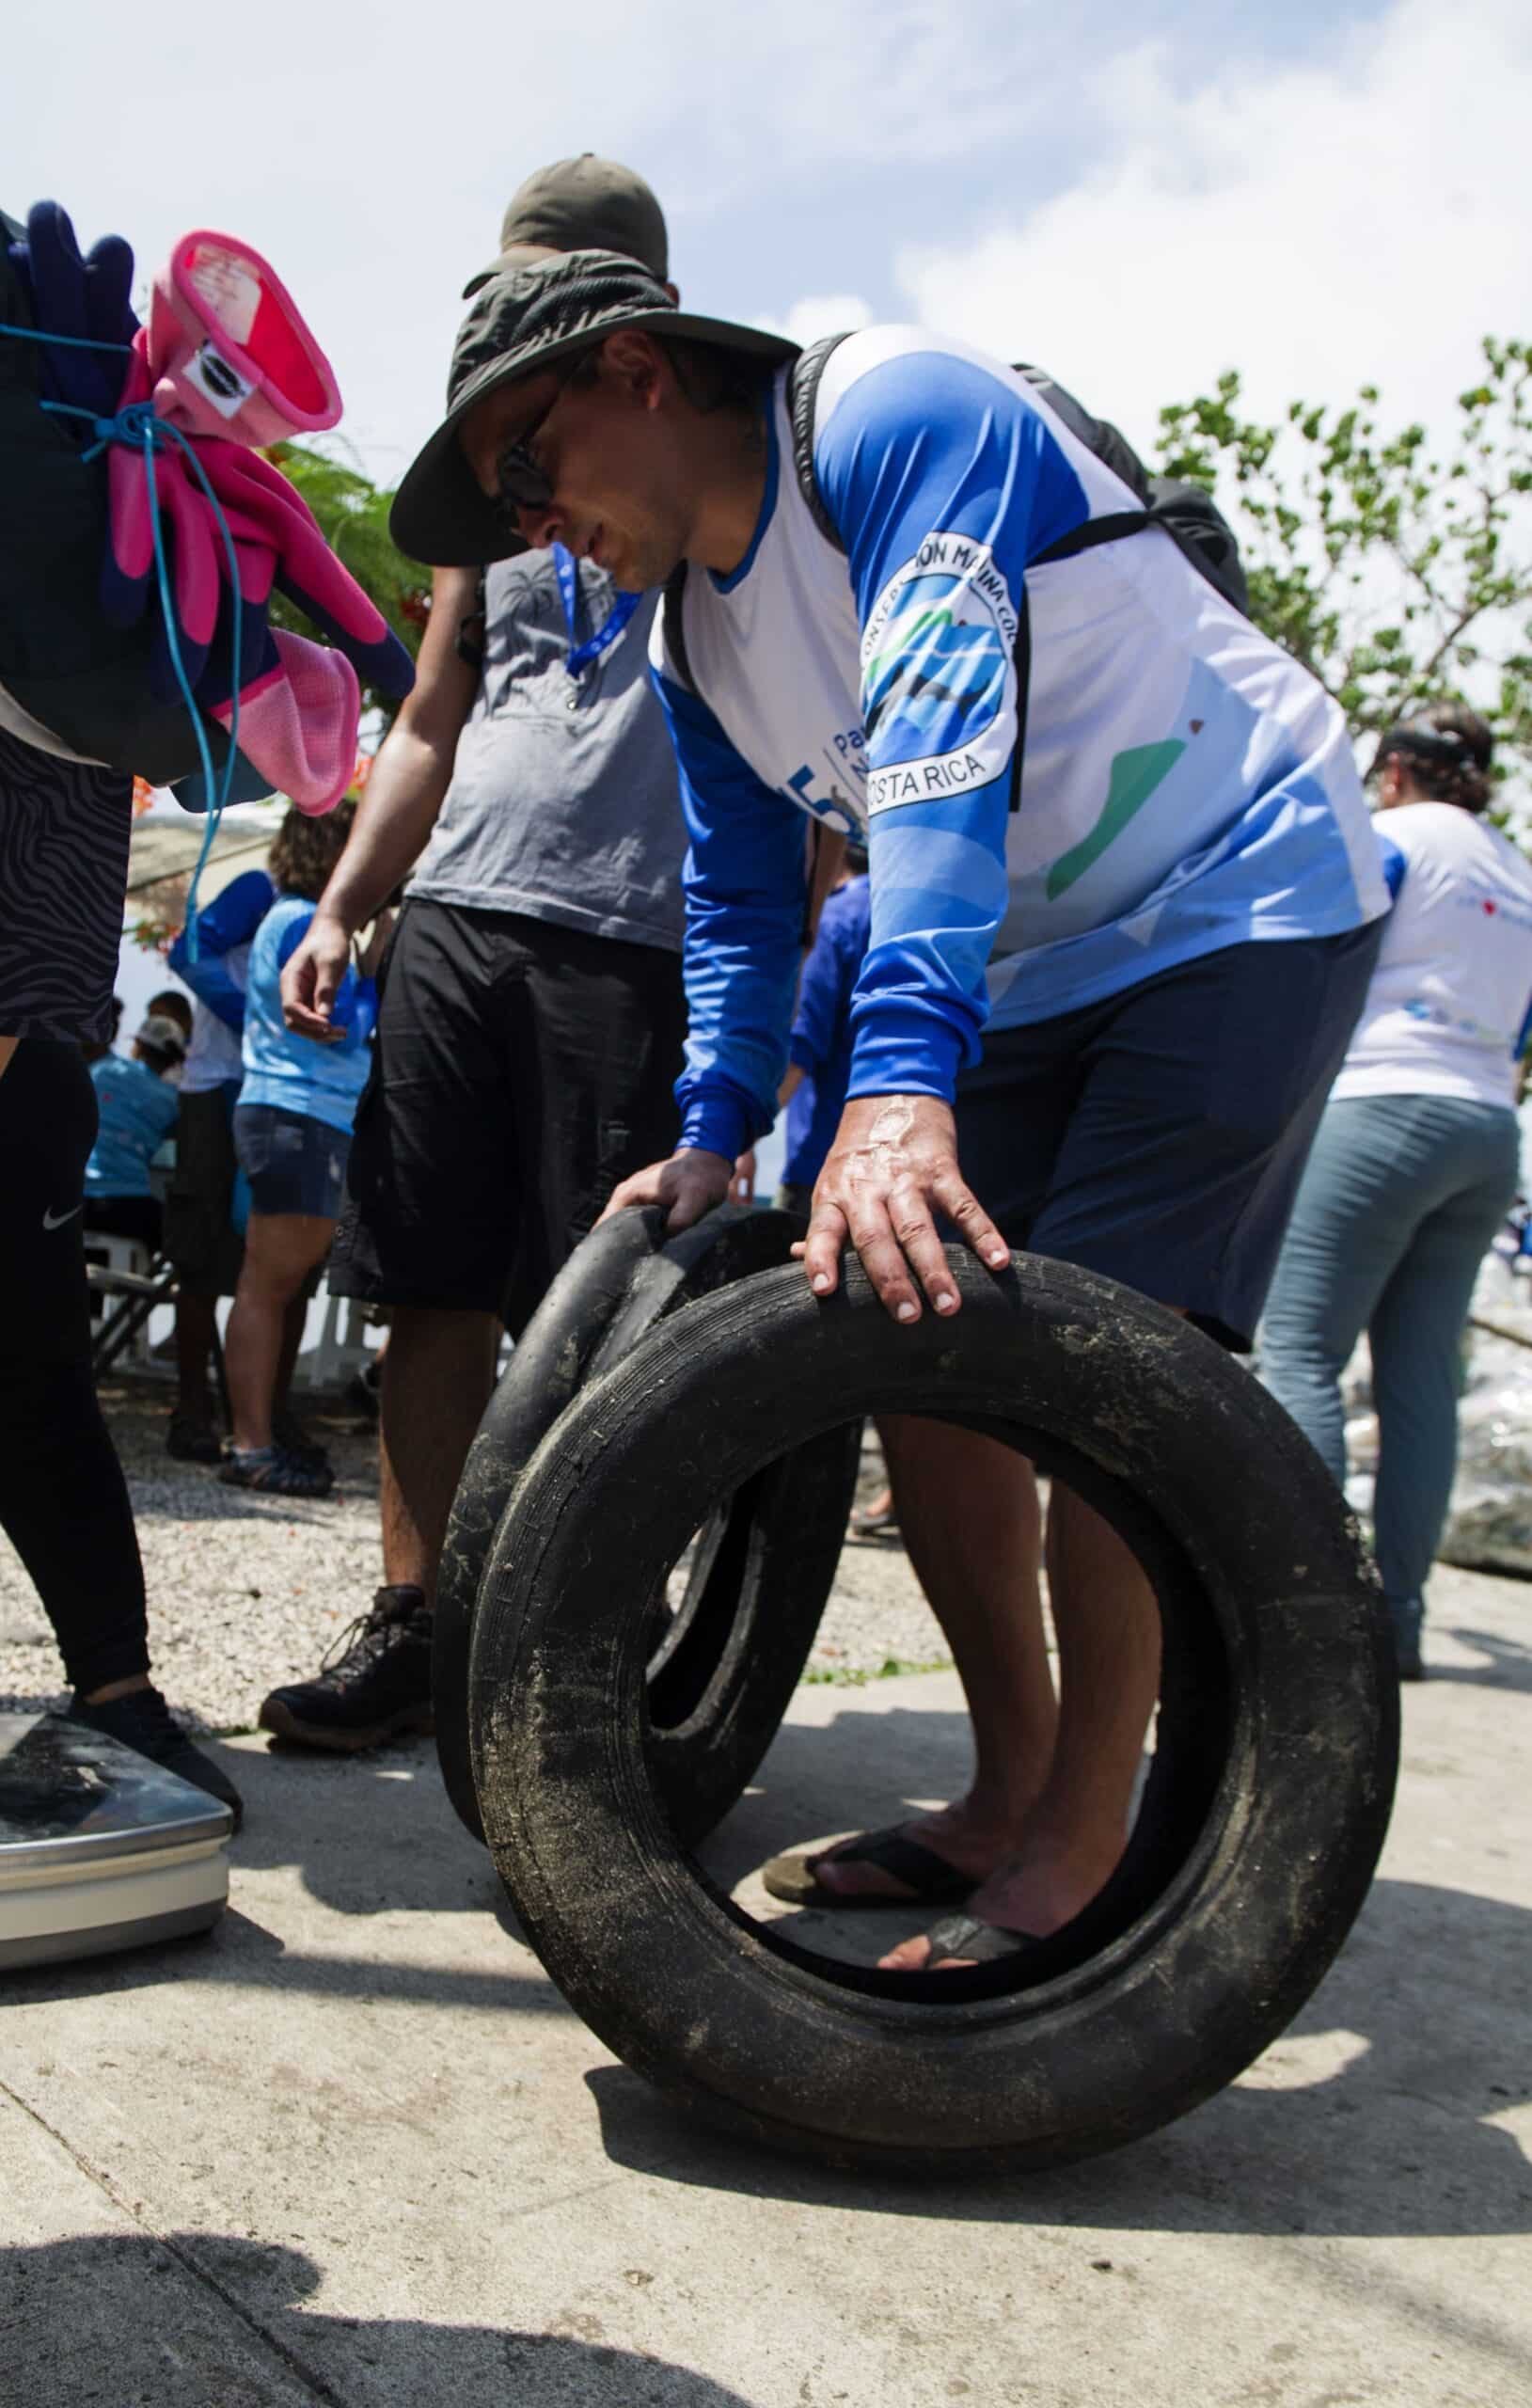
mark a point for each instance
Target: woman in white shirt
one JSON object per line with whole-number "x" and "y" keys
{"x": 1415, "y": 1161}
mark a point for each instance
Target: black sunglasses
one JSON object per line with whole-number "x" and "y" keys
{"x": 520, "y": 484}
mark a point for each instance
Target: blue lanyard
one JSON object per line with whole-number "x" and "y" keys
{"x": 582, "y": 655}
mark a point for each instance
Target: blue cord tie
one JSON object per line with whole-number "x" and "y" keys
{"x": 140, "y": 427}
{"x": 72, "y": 343}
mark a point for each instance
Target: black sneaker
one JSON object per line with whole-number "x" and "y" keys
{"x": 142, "y": 1720}
{"x": 375, "y": 1683}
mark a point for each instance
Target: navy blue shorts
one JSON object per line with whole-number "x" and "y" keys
{"x": 293, "y": 1164}
{"x": 1158, "y": 1135}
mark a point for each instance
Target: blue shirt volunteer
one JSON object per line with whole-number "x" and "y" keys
{"x": 294, "y": 1073}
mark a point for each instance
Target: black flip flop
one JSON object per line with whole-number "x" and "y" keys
{"x": 932, "y": 1880}
{"x": 967, "y": 1936}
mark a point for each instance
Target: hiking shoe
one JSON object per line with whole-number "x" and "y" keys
{"x": 143, "y": 1722}
{"x": 375, "y": 1683}
{"x": 292, "y": 1437}
{"x": 273, "y": 1469}
{"x": 193, "y": 1439}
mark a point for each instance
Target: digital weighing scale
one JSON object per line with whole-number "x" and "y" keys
{"x": 100, "y": 1849}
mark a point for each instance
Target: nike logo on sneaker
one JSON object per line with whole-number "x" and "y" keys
{"x": 56, "y": 1220}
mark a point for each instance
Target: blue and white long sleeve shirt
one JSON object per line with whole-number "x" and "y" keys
{"x": 1187, "y": 786}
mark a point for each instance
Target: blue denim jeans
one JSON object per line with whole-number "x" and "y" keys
{"x": 1400, "y": 1198}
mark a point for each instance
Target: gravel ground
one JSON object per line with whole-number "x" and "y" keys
{"x": 246, "y": 1591}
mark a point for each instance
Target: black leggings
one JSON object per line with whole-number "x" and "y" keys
{"x": 63, "y": 1500}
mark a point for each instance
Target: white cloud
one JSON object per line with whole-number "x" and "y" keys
{"x": 822, "y": 313}
{"x": 1315, "y": 227}
{"x": 370, "y": 152}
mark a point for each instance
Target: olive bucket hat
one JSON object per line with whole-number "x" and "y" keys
{"x": 519, "y": 323}
{"x": 584, "y": 204}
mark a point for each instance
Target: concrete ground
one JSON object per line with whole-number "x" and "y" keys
{"x": 353, "y": 2148}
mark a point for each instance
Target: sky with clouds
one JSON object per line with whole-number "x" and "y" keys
{"x": 1136, "y": 195}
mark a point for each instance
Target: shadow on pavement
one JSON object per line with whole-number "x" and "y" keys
{"x": 1507, "y": 1665}
{"x": 1375, "y": 2114}
{"x": 203, "y": 2317}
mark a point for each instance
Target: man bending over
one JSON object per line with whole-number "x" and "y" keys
{"x": 1153, "y": 892}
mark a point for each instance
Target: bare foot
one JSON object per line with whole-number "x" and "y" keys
{"x": 973, "y": 1844}
{"x": 1037, "y": 1893}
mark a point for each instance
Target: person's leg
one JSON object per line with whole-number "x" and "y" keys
{"x": 427, "y": 1227}
{"x": 968, "y": 1508}
{"x": 438, "y": 1371}
{"x": 1417, "y": 1336}
{"x": 196, "y": 1326}
{"x": 978, "y": 1566}
{"x": 206, "y": 1251}
{"x": 591, "y": 1059}
{"x": 1171, "y": 1167}
{"x": 280, "y": 1251}
{"x": 294, "y": 1321}
{"x": 64, "y": 1507}
{"x": 1352, "y": 1222}
{"x": 64, "y": 1502}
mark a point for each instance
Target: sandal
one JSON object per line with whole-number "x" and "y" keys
{"x": 867, "y": 1524}
{"x": 969, "y": 1937}
{"x": 930, "y": 1877}
{"x": 278, "y": 1474}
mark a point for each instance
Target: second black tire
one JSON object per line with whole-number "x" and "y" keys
{"x": 725, "y": 1665}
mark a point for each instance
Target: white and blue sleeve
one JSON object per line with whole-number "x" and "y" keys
{"x": 745, "y": 887}
{"x": 944, "y": 481}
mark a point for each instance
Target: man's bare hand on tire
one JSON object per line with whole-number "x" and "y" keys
{"x": 689, "y": 1185}
{"x": 893, "y": 1168}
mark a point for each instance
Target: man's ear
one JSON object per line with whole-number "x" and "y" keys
{"x": 636, "y": 363}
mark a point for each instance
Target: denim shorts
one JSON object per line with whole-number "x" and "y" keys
{"x": 293, "y": 1164}
{"x": 1158, "y": 1136}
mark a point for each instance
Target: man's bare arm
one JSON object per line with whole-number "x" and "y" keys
{"x": 399, "y": 810}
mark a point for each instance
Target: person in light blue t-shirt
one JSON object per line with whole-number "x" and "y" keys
{"x": 137, "y": 1105}
{"x": 293, "y": 1134}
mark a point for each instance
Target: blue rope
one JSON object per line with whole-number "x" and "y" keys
{"x": 141, "y": 428}
{"x": 74, "y": 342}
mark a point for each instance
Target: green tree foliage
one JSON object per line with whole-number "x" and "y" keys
{"x": 1398, "y": 568}
{"x": 352, "y": 513}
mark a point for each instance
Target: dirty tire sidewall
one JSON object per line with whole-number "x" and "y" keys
{"x": 684, "y": 1987}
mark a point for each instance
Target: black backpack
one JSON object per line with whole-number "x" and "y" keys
{"x": 1185, "y": 513}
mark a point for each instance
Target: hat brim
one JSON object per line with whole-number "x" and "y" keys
{"x": 439, "y": 514}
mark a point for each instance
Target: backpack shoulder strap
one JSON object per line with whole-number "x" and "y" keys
{"x": 802, "y": 397}
{"x": 802, "y": 400}
{"x": 673, "y": 624}
{"x": 1109, "y": 530}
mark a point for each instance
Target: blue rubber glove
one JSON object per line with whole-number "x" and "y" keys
{"x": 85, "y": 296}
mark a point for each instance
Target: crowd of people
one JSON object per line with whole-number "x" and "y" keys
{"x": 1117, "y": 968}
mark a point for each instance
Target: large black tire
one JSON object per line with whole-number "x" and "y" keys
{"x": 1276, "y": 1751}
{"x": 727, "y": 1664}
